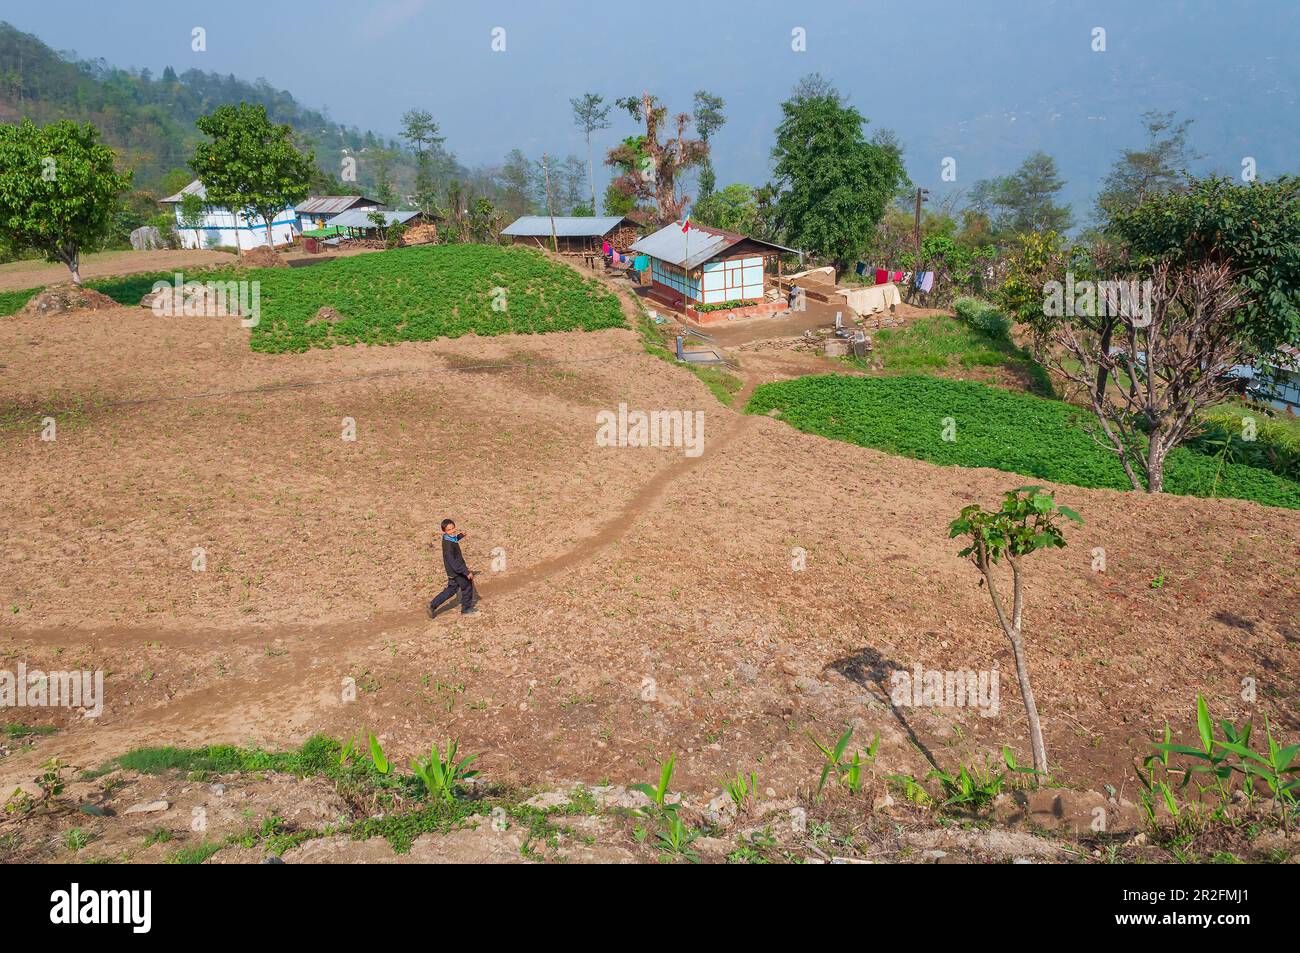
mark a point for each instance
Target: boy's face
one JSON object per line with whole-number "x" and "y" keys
{"x": 451, "y": 529}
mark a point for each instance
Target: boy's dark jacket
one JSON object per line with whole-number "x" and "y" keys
{"x": 452, "y": 560}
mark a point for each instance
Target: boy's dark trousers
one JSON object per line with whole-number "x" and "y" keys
{"x": 462, "y": 584}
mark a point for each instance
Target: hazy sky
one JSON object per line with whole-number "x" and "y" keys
{"x": 982, "y": 81}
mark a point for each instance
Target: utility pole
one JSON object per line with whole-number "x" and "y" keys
{"x": 921, "y": 196}
{"x": 546, "y": 170}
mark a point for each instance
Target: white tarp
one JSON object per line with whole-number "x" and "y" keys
{"x": 864, "y": 301}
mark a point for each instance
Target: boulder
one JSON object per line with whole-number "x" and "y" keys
{"x": 63, "y": 298}
{"x": 147, "y": 238}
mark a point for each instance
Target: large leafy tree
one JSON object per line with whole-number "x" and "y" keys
{"x": 735, "y": 208}
{"x": 590, "y": 114}
{"x": 833, "y": 185}
{"x": 1254, "y": 229}
{"x": 59, "y": 192}
{"x": 1025, "y": 200}
{"x": 251, "y": 163}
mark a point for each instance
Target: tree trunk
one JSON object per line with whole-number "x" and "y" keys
{"x": 591, "y": 175}
{"x": 1012, "y": 629}
{"x": 72, "y": 258}
{"x": 1155, "y": 464}
{"x": 1031, "y": 706}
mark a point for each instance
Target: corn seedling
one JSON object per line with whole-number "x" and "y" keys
{"x": 973, "y": 788}
{"x": 676, "y": 840}
{"x": 741, "y": 789}
{"x": 659, "y": 795}
{"x": 442, "y": 777}
{"x": 378, "y": 757}
{"x": 848, "y": 773}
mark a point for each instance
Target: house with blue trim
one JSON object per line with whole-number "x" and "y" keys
{"x": 223, "y": 227}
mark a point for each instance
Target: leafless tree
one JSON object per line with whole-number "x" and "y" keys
{"x": 1148, "y": 364}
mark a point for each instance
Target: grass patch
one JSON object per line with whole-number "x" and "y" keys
{"x": 994, "y": 428}
{"x": 25, "y": 731}
{"x": 941, "y": 343}
{"x": 11, "y": 302}
{"x": 317, "y": 756}
{"x": 722, "y": 385}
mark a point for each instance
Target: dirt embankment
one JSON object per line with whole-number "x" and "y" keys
{"x": 605, "y": 570}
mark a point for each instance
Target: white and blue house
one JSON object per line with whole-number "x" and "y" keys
{"x": 223, "y": 227}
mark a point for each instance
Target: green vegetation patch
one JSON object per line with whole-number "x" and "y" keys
{"x": 407, "y": 294}
{"x": 420, "y": 294}
{"x": 994, "y": 428}
{"x": 977, "y": 337}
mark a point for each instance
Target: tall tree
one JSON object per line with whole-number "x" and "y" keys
{"x": 1159, "y": 167}
{"x": 519, "y": 184}
{"x": 421, "y": 133}
{"x": 382, "y": 161}
{"x": 709, "y": 118}
{"x": 59, "y": 192}
{"x": 833, "y": 185}
{"x": 590, "y": 114}
{"x": 650, "y": 168}
{"x": 250, "y": 163}
{"x": 1025, "y": 200}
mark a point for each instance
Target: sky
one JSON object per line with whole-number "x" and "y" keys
{"x": 981, "y": 82}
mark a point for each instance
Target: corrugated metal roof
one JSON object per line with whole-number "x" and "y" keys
{"x": 671, "y": 244}
{"x": 194, "y": 188}
{"x": 566, "y": 226}
{"x": 329, "y": 204}
{"x": 360, "y": 218}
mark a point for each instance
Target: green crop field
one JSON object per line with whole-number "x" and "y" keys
{"x": 993, "y": 428}
{"x": 408, "y": 294}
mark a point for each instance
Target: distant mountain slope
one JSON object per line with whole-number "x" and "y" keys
{"x": 150, "y": 120}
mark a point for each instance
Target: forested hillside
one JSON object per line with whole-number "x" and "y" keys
{"x": 150, "y": 119}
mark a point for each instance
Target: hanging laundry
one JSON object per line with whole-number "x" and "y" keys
{"x": 882, "y": 276}
{"x": 896, "y": 276}
{"x": 641, "y": 263}
{"x": 860, "y": 268}
{"x": 604, "y": 248}
{"x": 925, "y": 281}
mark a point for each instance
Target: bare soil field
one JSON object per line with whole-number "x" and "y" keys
{"x": 34, "y": 272}
{"x": 645, "y": 603}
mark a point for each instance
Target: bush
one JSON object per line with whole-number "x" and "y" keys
{"x": 720, "y": 306}
{"x": 994, "y": 428}
{"x": 982, "y": 316}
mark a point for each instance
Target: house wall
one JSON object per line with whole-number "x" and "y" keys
{"x": 674, "y": 280}
{"x": 733, "y": 279}
{"x": 1280, "y": 388}
{"x": 222, "y": 227}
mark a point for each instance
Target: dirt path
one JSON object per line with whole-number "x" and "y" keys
{"x": 230, "y": 708}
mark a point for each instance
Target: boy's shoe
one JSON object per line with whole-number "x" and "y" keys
{"x": 470, "y": 611}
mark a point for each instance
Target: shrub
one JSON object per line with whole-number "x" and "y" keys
{"x": 982, "y": 316}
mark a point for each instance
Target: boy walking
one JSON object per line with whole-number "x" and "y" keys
{"x": 459, "y": 578}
